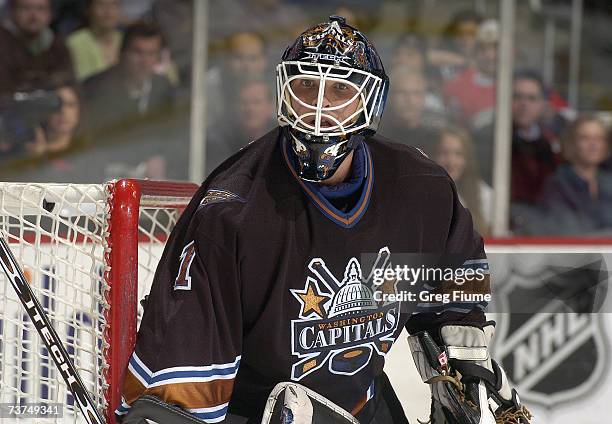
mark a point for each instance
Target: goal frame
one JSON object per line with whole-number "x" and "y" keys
{"x": 126, "y": 199}
{"x": 126, "y": 218}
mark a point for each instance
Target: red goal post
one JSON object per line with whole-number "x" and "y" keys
{"x": 89, "y": 252}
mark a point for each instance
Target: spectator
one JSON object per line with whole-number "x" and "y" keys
{"x": 408, "y": 120}
{"x": 410, "y": 52}
{"x": 96, "y": 47}
{"x": 247, "y": 55}
{"x": 130, "y": 92}
{"x": 471, "y": 94}
{"x": 58, "y": 139}
{"x": 61, "y": 128}
{"x": 255, "y": 112}
{"x": 458, "y": 49}
{"x": 577, "y": 199}
{"x": 533, "y": 158}
{"x": 246, "y": 59}
{"x": 32, "y": 56}
{"x": 455, "y": 152}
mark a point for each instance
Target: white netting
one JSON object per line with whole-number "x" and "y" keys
{"x": 154, "y": 226}
{"x": 58, "y": 234}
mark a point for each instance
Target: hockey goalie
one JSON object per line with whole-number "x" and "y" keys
{"x": 264, "y": 306}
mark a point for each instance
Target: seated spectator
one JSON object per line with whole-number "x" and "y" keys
{"x": 471, "y": 94}
{"x": 59, "y": 130}
{"x": 410, "y": 52}
{"x": 458, "y": 49}
{"x": 533, "y": 158}
{"x": 57, "y": 140}
{"x": 577, "y": 199}
{"x": 533, "y": 145}
{"x": 455, "y": 152}
{"x": 32, "y": 56}
{"x": 22, "y": 120}
{"x": 245, "y": 60}
{"x": 130, "y": 92}
{"x": 254, "y": 108}
{"x": 408, "y": 120}
{"x": 96, "y": 47}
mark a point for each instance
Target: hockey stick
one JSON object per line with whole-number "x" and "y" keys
{"x": 48, "y": 334}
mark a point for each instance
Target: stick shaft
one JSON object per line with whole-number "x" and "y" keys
{"x": 49, "y": 335}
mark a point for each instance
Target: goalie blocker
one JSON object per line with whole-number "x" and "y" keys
{"x": 467, "y": 386}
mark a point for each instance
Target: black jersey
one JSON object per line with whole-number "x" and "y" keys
{"x": 262, "y": 281}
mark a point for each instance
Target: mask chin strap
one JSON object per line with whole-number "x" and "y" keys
{"x": 317, "y": 160}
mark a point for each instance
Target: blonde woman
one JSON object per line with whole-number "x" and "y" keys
{"x": 577, "y": 199}
{"x": 455, "y": 152}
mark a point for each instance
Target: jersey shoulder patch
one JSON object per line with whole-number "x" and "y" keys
{"x": 219, "y": 196}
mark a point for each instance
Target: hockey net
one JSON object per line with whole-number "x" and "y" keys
{"x": 89, "y": 253}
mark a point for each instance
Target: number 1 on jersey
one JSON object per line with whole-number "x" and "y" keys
{"x": 183, "y": 279}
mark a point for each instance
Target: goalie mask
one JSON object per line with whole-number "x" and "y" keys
{"x": 331, "y": 91}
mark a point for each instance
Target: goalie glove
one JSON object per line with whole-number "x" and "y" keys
{"x": 467, "y": 386}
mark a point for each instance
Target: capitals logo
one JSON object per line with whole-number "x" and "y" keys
{"x": 340, "y": 325}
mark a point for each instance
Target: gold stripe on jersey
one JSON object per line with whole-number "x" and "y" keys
{"x": 195, "y": 394}
{"x": 132, "y": 387}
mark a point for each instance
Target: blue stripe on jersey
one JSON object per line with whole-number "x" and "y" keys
{"x": 140, "y": 369}
{"x": 187, "y": 373}
{"x": 123, "y": 408}
{"x": 193, "y": 374}
{"x": 211, "y": 416}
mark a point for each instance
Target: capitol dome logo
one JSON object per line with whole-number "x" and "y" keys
{"x": 354, "y": 296}
{"x": 340, "y": 324}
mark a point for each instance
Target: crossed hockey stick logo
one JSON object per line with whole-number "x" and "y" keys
{"x": 339, "y": 323}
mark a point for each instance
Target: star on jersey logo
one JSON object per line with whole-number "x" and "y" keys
{"x": 312, "y": 300}
{"x": 340, "y": 326}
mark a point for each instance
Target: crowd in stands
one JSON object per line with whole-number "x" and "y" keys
{"x": 100, "y": 89}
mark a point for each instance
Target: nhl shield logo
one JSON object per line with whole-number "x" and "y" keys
{"x": 550, "y": 338}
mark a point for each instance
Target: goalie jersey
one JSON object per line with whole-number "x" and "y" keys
{"x": 268, "y": 278}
